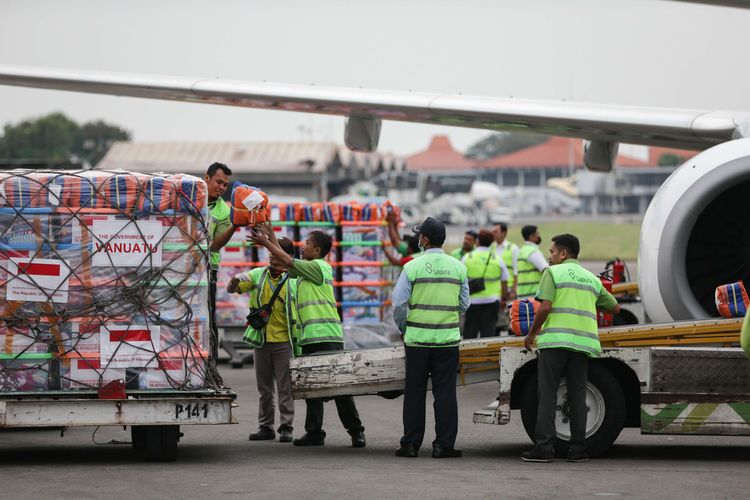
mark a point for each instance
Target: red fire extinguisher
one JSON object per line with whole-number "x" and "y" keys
{"x": 618, "y": 271}
{"x": 605, "y": 318}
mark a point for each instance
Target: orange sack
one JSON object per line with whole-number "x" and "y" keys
{"x": 249, "y": 206}
{"x": 732, "y": 300}
{"x": 522, "y": 314}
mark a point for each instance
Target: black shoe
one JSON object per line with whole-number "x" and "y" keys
{"x": 407, "y": 450}
{"x": 358, "y": 440}
{"x": 285, "y": 434}
{"x": 440, "y": 452}
{"x": 263, "y": 434}
{"x": 308, "y": 439}
{"x": 537, "y": 455}
{"x": 577, "y": 456}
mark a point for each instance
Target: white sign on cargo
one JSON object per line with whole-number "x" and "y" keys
{"x": 125, "y": 346}
{"x": 37, "y": 280}
{"x": 127, "y": 243}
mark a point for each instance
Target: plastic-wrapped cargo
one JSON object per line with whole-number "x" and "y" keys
{"x": 103, "y": 277}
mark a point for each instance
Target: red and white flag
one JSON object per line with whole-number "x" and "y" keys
{"x": 90, "y": 373}
{"x": 125, "y": 346}
{"x": 37, "y": 280}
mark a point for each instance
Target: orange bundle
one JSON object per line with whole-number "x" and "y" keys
{"x": 389, "y": 206}
{"x": 351, "y": 211}
{"x": 522, "y": 314}
{"x": 287, "y": 211}
{"x": 330, "y": 212}
{"x": 249, "y": 206}
{"x": 157, "y": 195}
{"x": 26, "y": 191}
{"x": 731, "y": 300}
{"x": 190, "y": 193}
{"x": 371, "y": 212}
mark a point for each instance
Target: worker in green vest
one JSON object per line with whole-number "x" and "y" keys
{"x": 275, "y": 344}
{"x": 566, "y": 334}
{"x": 470, "y": 241}
{"x": 220, "y": 231}
{"x": 319, "y": 322}
{"x": 531, "y": 263}
{"x": 429, "y": 297}
{"x": 486, "y": 302}
{"x": 508, "y": 251}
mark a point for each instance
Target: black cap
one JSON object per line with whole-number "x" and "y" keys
{"x": 433, "y": 229}
{"x": 472, "y": 232}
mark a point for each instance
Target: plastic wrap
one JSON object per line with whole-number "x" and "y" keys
{"x": 103, "y": 276}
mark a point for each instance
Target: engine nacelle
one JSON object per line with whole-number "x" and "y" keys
{"x": 696, "y": 234}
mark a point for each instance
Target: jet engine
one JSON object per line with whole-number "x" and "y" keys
{"x": 696, "y": 234}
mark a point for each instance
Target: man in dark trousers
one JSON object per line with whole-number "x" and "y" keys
{"x": 320, "y": 324}
{"x": 567, "y": 335}
{"x": 428, "y": 299}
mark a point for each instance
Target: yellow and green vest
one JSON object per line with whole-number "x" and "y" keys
{"x": 528, "y": 275}
{"x": 257, "y": 338}
{"x": 316, "y": 306}
{"x": 433, "y": 316}
{"x": 218, "y": 213}
{"x": 507, "y": 256}
{"x": 572, "y": 323}
{"x": 478, "y": 266}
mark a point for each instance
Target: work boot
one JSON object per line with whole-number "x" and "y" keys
{"x": 440, "y": 452}
{"x": 538, "y": 455}
{"x": 264, "y": 434}
{"x": 309, "y": 439}
{"x": 407, "y": 450}
{"x": 285, "y": 434}
{"x": 358, "y": 439}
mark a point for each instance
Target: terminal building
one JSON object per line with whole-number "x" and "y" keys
{"x": 315, "y": 171}
{"x": 548, "y": 174}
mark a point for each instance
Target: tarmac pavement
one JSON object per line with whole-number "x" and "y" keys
{"x": 216, "y": 462}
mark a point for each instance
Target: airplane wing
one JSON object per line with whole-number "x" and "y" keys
{"x": 681, "y": 128}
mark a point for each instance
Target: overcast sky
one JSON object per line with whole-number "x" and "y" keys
{"x": 640, "y": 52}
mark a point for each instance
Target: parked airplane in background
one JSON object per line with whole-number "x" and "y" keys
{"x": 695, "y": 234}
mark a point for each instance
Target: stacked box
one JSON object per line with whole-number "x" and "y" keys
{"x": 103, "y": 276}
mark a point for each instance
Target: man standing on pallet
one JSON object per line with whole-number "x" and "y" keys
{"x": 531, "y": 263}
{"x": 220, "y": 231}
{"x": 320, "y": 323}
{"x": 568, "y": 335}
{"x": 274, "y": 344}
{"x": 431, "y": 293}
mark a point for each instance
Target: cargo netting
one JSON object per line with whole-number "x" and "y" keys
{"x": 104, "y": 277}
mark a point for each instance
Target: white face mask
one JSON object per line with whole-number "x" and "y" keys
{"x": 419, "y": 244}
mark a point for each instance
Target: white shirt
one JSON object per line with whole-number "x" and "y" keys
{"x": 514, "y": 252}
{"x": 503, "y": 277}
{"x": 536, "y": 258}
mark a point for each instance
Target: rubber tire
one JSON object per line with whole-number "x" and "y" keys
{"x": 161, "y": 442}
{"x": 614, "y": 411}
{"x": 138, "y": 436}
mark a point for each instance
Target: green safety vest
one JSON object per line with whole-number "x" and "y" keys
{"x": 476, "y": 263}
{"x": 257, "y": 338}
{"x": 316, "y": 306}
{"x": 528, "y": 275}
{"x": 571, "y": 323}
{"x": 218, "y": 213}
{"x": 433, "y": 316}
{"x": 507, "y": 256}
{"x": 458, "y": 253}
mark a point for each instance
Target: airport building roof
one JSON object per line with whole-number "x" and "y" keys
{"x": 243, "y": 157}
{"x": 439, "y": 155}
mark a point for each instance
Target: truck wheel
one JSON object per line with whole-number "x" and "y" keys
{"x": 161, "y": 442}
{"x": 138, "y": 436}
{"x": 606, "y": 415}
